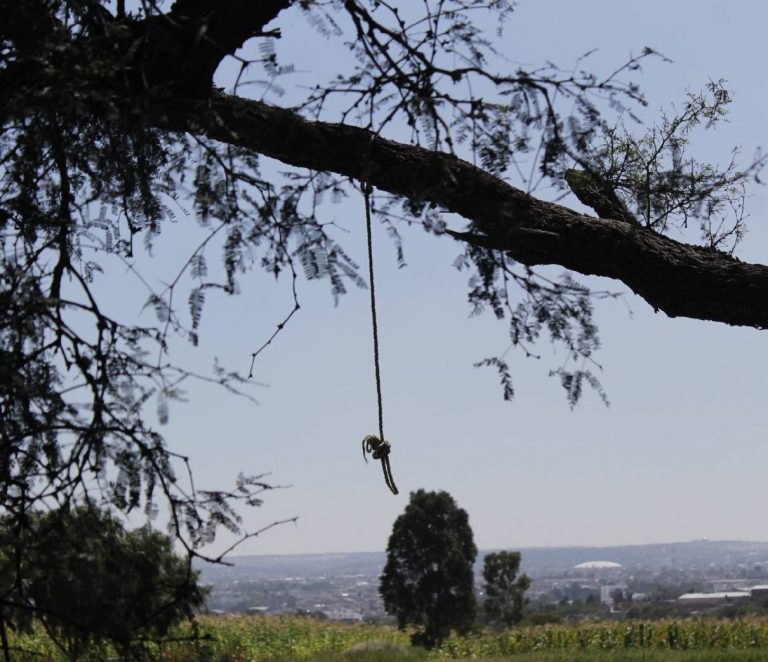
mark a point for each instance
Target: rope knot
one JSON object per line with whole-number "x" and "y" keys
{"x": 379, "y": 449}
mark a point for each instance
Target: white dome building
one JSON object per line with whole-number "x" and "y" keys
{"x": 598, "y": 565}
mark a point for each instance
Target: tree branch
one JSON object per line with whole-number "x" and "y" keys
{"x": 680, "y": 279}
{"x": 182, "y": 49}
{"x": 222, "y": 27}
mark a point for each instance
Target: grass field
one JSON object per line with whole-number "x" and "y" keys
{"x": 583, "y": 656}
{"x": 242, "y": 638}
{"x": 286, "y": 638}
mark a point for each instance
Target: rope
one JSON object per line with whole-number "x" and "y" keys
{"x": 378, "y": 447}
{"x": 379, "y": 450}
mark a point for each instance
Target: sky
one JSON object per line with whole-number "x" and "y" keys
{"x": 681, "y": 452}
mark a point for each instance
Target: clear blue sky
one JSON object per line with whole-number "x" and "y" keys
{"x": 681, "y": 453}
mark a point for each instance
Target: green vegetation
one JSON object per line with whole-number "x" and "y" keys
{"x": 428, "y": 578}
{"x": 504, "y": 590}
{"x": 283, "y": 638}
{"x": 90, "y": 582}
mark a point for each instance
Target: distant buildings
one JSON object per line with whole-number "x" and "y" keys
{"x": 609, "y": 593}
{"x": 346, "y": 615}
{"x": 603, "y": 571}
{"x": 721, "y": 598}
{"x": 345, "y": 586}
{"x": 598, "y": 565}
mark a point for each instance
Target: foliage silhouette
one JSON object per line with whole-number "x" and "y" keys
{"x": 504, "y": 590}
{"x": 111, "y": 128}
{"x": 88, "y": 581}
{"x": 428, "y": 578}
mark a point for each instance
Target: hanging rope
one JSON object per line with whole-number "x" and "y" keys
{"x": 378, "y": 447}
{"x": 379, "y": 450}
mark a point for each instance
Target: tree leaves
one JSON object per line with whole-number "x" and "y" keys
{"x": 162, "y": 407}
{"x": 198, "y": 267}
{"x": 196, "y": 301}
{"x": 428, "y": 577}
{"x": 160, "y": 306}
{"x": 504, "y": 590}
{"x": 505, "y": 376}
{"x": 654, "y": 174}
{"x": 130, "y": 586}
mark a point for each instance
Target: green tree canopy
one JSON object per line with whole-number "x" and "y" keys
{"x": 504, "y": 590}
{"x": 88, "y": 580}
{"x": 428, "y": 578}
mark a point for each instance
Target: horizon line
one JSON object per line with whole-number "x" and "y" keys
{"x": 520, "y": 549}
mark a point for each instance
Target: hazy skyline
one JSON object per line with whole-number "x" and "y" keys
{"x": 680, "y": 454}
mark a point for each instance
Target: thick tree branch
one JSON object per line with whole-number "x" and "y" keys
{"x": 216, "y": 28}
{"x": 178, "y": 53}
{"x": 677, "y": 278}
{"x": 173, "y": 55}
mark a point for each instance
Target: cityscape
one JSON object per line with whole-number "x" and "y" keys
{"x": 573, "y": 581}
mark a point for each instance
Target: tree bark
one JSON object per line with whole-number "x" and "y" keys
{"x": 181, "y": 50}
{"x": 209, "y": 30}
{"x": 680, "y": 279}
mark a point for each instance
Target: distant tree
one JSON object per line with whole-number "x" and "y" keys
{"x": 428, "y": 576}
{"x": 89, "y": 581}
{"x": 504, "y": 590}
